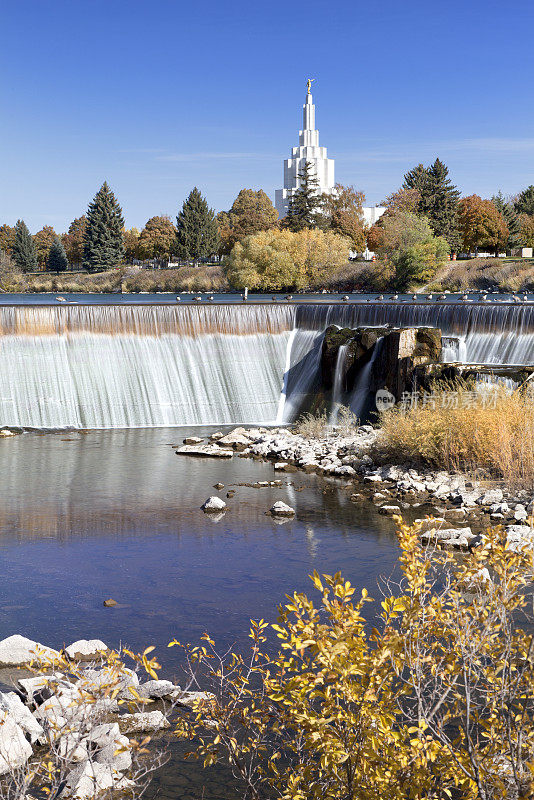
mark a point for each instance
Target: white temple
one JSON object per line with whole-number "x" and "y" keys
{"x": 308, "y": 150}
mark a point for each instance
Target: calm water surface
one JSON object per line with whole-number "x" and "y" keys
{"x": 87, "y": 516}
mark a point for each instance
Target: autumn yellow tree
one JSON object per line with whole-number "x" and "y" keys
{"x": 481, "y": 224}
{"x": 343, "y": 213}
{"x": 426, "y": 695}
{"x": 157, "y": 238}
{"x": 274, "y": 260}
{"x": 252, "y": 211}
{"x": 73, "y": 240}
{"x": 44, "y": 239}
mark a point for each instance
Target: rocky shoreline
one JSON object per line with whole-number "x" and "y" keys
{"x": 460, "y": 506}
{"x": 77, "y": 708}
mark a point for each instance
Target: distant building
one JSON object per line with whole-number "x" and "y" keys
{"x": 308, "y": 149}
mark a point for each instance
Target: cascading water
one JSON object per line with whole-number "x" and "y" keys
{"x": 111, "y": 367}
{"x": 115, "y": 366}
{"x": 493, "y": 333}
{"x": 359, "y": 400}
{"x": 337, "y": 389}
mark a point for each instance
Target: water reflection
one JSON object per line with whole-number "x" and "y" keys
{"x": 117, "y": 514}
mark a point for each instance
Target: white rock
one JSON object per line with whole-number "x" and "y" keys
{"x": 39, "y": 687}
{"x": 91, "y": 778}
{"x": 389, "y": 510}
{"x": 95, "y": 680}
{"x": 204, "y": 451}
{"x": 192, "y": 699}
{"x": 280, "y": 509}
{"x": 15, "y": 750}
{"x": 143, "y": 721}
{"x": 17, "y": 650}
{"x": 280, "y": 465}
{"x": 233, "y": 440}
{"x": 70, "y": 748}
{"x": 216, "y": 436}
{"x": 103, "y": 734}
{"x": 157, "y": 689}
{"x": 22, "y": 715}
{"x": 86, "y": 648}
{"x": 490, "y": 497}
{"x": 213, "y": 505}
{"x": 109, "y": 755}
{"x": 193, "y": 440}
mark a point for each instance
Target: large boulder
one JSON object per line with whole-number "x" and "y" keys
{"x": 11, "y": 704}
{"x": 15, "y": 750}
{"x": 281, "y": 509}
{"x": 17, "y": 650}
{"x": 204, "y": 451}
{"x": 213, "y": 505}
{"x": 156, "y": 690}
{"x": 86, "y": 649}
{"x": 143, "y": 721}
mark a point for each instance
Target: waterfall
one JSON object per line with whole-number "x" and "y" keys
{"x": 359, "y": 400}
{"x": 338, "y": 389}
{"x": 494, "y": 333}
{"x": 113, "y": 366}
{"x": 123, "y": 367}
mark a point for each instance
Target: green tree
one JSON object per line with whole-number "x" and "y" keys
{"x": 23, "y": 252}
{"x": 438, "y": 199}
{"x": 57, "y": 258}
{"x": 197, "y": 234}
{"x": 7, "y": 238}
{"x": 73, "y": 240}
{"x": 44, "y": 239}
{"x": 103, "y": 245}
{"x": 408, "y": 251}
{"x": 157, "y": 238}
{"x": 481, "y": 225}
{"x": 511, "y": 217}
{"x": 252, "y": 211}
{"x": 307, "y": 203}
{"x": 525, "y": 202}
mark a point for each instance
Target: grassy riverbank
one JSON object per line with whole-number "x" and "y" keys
{"x": 508, "y": 275}
{"x": 459, "y": 431}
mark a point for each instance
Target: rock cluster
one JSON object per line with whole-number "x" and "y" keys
{"x": 465, "y": 505}
{"x": 73, "y": 712}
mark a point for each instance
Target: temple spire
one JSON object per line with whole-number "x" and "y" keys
{"x": 308, "y": 150}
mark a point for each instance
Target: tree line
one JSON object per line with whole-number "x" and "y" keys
{"x": 426, "y": 220}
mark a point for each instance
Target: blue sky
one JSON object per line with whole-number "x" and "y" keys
{"x": 158, "y": 97}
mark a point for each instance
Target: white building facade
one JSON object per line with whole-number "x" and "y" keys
{"x": 308, "y": 150}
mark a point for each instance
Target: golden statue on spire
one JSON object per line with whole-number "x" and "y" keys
{"x": 308, "y": 84}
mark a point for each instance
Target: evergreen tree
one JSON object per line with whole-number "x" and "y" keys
{"x": 525, "y": 202}
{"x": 103, "y": 244}
{"x": 197, "y": 233}
{"x": 438, "y": 199}
{"x": 57, "y": 258}
{"x": 24, "y": 252}
{"x": 511, "y": 217}
{"x": 306, "y": 204}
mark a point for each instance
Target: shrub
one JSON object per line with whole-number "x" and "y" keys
{"x": 467, "y": 434}
{"x": 273, "y": 260}
{"x": 427, "y": 696}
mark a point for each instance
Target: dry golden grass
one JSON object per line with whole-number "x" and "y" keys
{"x": 496, "y": 436}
